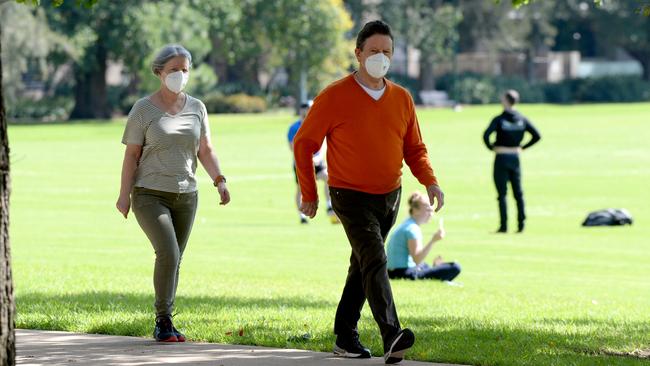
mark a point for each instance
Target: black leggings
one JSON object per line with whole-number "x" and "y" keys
{"x": 444, "y": 272}
{"x": 507, "y": 169}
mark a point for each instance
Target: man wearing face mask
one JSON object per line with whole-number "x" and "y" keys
{"x": 165, "y": 134}
{"x": 371, "y": 126}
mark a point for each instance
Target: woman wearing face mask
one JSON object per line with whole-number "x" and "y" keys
{"x": 406, "y": 251}
{"x": 165, "y": 134}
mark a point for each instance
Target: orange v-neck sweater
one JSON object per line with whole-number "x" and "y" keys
{"x": 367, "y": 139}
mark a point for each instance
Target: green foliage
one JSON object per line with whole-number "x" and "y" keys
{"x": 173, "y": 22}
{"x": 27, "y": 41}
{"x": 266, "y": 36}
{"x": 613, "y": 89}
{"x": 202, "y": 81}
{"x": 598, "y": 90}
{"x": 495, "y": 27}
{"x": 530, "y": 92}
{"x": 474, "y": 88}
{"x": 82, "y": 3}
{"x": 562, "y": 93}
{"x": 619, "y": 25}
{"x": 431, "y": 29}
{"x": 645, "y": 10}
{"x": 235, "y": 103}
{"x": 308, "y": 36}
{"x": 518, "y": 3}
{"x": 110, "y": 27}
{"x": 47, "y": 109}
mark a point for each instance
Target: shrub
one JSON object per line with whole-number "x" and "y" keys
{"x": 127, "y": 103}
{"x": 613, "y": 89}
{"x": 202, "y": 81}
{"x": 562, "y": 92}
{"x": 473, "y": 90}
{"x": 243, "y": 103}
{"x": 44, "y": 110}
{"x": 236, "y": 103}
{"x": 241, "y": 87}
{"x": 530, "y": 92}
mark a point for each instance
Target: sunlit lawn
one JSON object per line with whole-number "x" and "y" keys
{"x": 557, "y": 294}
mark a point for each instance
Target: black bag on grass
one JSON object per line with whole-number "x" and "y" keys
{"x": 608, "y": 217}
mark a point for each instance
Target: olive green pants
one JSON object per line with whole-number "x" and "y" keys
{"x": 167, "y": 220}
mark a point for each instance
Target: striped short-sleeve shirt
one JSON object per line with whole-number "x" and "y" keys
{"x": 170, "y": 144}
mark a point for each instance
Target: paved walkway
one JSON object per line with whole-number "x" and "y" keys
{"x": 35, "y": 347}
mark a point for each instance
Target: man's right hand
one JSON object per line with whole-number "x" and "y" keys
{"x": 309, "y": 208}
{"x": 436, "y": 196}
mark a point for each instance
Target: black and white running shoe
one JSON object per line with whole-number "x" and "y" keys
{"x": 351, "y": 348}
{"x": 403, "y": 340}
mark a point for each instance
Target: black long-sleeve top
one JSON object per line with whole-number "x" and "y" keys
{"x": 510, "y": 127}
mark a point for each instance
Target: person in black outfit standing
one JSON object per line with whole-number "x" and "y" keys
{"x": 510, "y": 127}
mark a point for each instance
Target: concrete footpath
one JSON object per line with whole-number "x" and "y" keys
{"x": 35, "y": 347}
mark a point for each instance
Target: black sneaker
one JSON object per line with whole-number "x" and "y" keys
{"x": 402, "y": 341}
{"x": 520, "y": 228}
{"x": 303, "y": 220}
{"x": 164, "y": 330}
{"x": 501, "y": 230}
{"x": 351, "y": 348}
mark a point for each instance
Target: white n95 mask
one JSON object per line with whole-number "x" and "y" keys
{"x": 377, "y": 65}
{"x": 176, "y": 81}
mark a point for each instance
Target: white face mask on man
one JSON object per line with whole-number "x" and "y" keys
{"x": 176, "y": 81}
{"x": 377, "y": 65}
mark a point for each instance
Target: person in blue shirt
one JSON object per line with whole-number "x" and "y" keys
{"x": 319, "y": 166}
{"x": 406, "y": 252}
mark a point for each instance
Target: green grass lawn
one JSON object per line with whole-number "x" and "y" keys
{"x": 559, "y": 294}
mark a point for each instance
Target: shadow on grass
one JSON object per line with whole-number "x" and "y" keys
{"x": 129, "y": 313}
{"x": 267, "y": 321}
{"x": 580, "y": 341}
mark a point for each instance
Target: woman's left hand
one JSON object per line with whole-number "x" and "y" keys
{"x": 223, "y": 193}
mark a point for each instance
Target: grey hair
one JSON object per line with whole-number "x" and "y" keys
{"x": 167, "y": 53}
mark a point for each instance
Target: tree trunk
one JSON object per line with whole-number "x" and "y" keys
{"x": 427, "y": 80}
{"x": 90, "y": 91}
{"x": 245, "y": 72}
{"x": 644, "y": 59}
{"x": 7, "y": 307}
{"x": 530, "y": 64}
{"x": 217, "y": 59}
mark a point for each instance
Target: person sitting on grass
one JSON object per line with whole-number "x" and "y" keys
{"x": 405, "y": 250}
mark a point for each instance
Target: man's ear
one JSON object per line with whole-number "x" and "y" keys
{"x": 357, "y": 53}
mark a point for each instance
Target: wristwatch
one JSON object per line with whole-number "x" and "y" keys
{"x": 219, "y": 179}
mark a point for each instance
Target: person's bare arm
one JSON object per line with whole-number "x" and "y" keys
{"x": 208, "y": 159}
{"x": 129, "y": 165}
{"x": 420, "y": 252}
